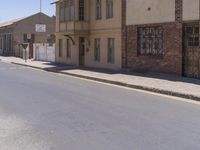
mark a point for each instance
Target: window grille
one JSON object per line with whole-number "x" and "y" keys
{"x": 192, "y": 34}
{"x": 150, "y": 41}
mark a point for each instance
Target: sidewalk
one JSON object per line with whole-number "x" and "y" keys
{"x": 159, "y": 83}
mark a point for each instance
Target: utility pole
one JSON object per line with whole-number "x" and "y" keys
{"x": 40, "y": 5}
{"x": 40, "y": 11}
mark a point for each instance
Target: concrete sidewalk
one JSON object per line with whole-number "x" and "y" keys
{"x": 159, "y": 83}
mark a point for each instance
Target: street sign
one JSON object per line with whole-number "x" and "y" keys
{"x": 25, "y": 45}
{"x": 40, "y": 27}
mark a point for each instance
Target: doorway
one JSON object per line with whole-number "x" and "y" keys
{"x": 191, "y": 51}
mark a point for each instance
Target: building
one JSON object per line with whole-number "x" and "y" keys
{"x": 141, "y": 35}
{"x": 88, "y": 33}
{"x": 162, "y": 36}
{"x": 16, "y": 32}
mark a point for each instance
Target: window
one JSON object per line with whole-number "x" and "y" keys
{"x": 111, "y": 50}
{"x": 97, "y": 50}
{"x": 60, "y": 48}
{"x": 29, "y": 38}
{"x": 81, "y": 10}
{"x": 68, "y": 49}
{"x": 150, "y": 41}
{"x": 1, "y": 43}
{"x": 109, "y": 8}
{"x": 66, "y": 10}
{"x": 192, "y": 35}
{"x": 98, "y": 9}
{"x": 62, "y": 11}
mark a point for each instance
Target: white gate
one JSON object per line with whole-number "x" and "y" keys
{"x": 44, "y": 52}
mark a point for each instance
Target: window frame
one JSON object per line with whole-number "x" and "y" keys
{"x": 60, "y": 48}
{"x": 109, "y": 9}
{"x": 193, "y": 36}
{"x": 81, "y": 10}
{"x": 98, "y": 10}
{"x": 68, "y": 49}
{"x": 111, "y": 50}
{"x": 150, "y": 41}
{"x": 67, "y": 6}
{"x": 97, "y": 49}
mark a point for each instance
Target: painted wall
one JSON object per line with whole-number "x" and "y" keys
{"x": 105, "y": 23}
{"x": 150, "y": 11}
{"x": 103, "y": 29}
{"x": 74, "y": 60}
{"x": 190, "y": 10}
{"x": 103, "y": 63}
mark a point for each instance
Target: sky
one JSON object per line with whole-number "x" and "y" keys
{"x": 14, "y": 9}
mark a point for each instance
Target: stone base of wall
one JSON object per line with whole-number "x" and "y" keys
{"x": 170, "y": 62}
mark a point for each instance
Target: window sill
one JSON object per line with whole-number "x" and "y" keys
{"x": 152, "y": 56}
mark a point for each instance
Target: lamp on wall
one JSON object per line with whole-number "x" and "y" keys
{"x": 66, "y": 35}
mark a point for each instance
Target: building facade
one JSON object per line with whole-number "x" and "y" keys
{"x": 88, "y": 33}
{"x": 162, "y": 36}
{"x": 141, "y": 35}
{"x": 19, "y": 31}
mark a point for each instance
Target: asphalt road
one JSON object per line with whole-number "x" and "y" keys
{"x": 47, "y": 111}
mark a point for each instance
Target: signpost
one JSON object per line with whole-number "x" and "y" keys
{"x": 25, "y": 45}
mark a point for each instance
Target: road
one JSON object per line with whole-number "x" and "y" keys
{"x": 47, "y": 111}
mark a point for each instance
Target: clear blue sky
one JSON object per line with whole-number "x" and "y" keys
{"x": 13, "y": 9}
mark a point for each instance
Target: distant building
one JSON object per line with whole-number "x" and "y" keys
{"x": 19, "y": 31}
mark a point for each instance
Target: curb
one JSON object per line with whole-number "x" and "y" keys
{"x": 154, "y": 90}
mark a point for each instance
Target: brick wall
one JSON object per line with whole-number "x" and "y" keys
{"x": 170, "y": 61}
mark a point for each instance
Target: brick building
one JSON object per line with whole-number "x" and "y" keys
{"x": 16, "y": 32}
{"x": 141, "y": 35}
{"x": 161, "y": 36}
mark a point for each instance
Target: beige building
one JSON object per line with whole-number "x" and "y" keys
{"x": 16, "y": 32}
{"x": 88, "y": 33}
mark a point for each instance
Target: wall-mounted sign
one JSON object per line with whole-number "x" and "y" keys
{"x": 29, "y": 36}
{"x": 40, "y": 27}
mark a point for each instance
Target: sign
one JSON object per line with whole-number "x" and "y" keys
{"x": 25, "y": 45}
{"x": 29, "y": 36}
{"x": 40, "y": 27}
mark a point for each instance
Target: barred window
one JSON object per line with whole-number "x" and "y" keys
{"x": 192, "y": 36}
{"x": 150, "y": 41}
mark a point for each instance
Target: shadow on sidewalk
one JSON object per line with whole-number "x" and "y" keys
{"x": 150, "y": 75}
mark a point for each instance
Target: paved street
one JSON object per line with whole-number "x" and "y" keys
{"x": 47, "y": 111}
